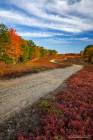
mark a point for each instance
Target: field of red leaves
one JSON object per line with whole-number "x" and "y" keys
{"x": 67, "y": 116}
{"x": 71, "y": 114}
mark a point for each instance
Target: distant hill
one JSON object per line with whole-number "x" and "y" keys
{"x": 72, "y": 55}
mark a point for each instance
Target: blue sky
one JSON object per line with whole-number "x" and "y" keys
{"x": 64, "y": 25}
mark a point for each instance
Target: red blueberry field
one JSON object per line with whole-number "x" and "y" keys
{"x": 66, "y": 116}
{"x": 70, "y": 115}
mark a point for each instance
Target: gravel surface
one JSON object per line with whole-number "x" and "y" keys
{"x": 16, "y": 94}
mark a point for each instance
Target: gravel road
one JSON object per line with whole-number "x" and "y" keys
{"x": 16, "y": 94}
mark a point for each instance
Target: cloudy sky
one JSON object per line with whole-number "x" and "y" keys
{"x": 64, "y": 25}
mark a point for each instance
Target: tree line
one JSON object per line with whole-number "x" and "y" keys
{"x": 14, "y": 49}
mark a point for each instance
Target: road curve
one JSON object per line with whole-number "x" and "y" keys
{"x": 16, "y": 94}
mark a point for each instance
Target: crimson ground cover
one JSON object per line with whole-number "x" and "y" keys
{"x": 66, "y": 116}
{"x": 70, "y": 115}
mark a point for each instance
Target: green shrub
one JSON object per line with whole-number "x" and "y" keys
{"x": 46, "y": 105}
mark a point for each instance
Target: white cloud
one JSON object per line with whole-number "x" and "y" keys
{"x": 34, "y": 34}
{"x": 64, "y": 19}
{"x": 41, "y": 34}
{"x": 85, "y": 39}
{"x": 29, "y": 21}
{"x": 61, "y": 7}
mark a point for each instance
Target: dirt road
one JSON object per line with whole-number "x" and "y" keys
{"x": 16, "y": 94}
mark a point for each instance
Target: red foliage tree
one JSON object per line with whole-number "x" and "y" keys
{"x": 15, "y": 42}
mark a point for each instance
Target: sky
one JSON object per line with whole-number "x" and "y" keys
{"x": 63, "y": 25}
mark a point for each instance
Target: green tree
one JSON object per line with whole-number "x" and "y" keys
{"x": 3, "y": 34}
{"x": 42, "y": 52}
{"x": 52, "y": 52}
{"x": 28, "y": 50}
{"x": 4, "y": 41}
{"x": 31, "y": 43}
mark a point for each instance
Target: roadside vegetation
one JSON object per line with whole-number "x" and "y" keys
{"x": 12, "y": 71}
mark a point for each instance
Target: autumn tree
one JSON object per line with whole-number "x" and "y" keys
{"x": 37, "y": 52}
{"x": 14, "y": 49}
{"x": 88, "y": 53}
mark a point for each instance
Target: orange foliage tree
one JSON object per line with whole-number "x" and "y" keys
{"x": 15, "y": 45}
